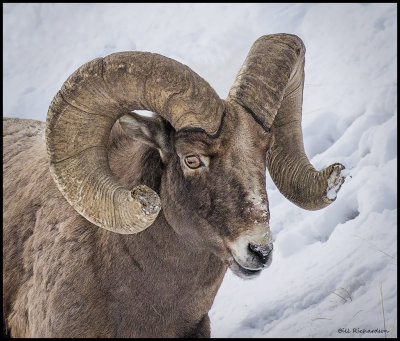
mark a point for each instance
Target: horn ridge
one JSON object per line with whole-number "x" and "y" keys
{"x": 270, "y": 86}
{"x": 83, "y": 112}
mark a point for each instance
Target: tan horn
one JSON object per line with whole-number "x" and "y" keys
{"x": 83, "y": 112}
{"x": 270, "y": 86}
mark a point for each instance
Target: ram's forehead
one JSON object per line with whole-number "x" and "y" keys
{"x": 240, "y": 132}
{"x": 196, "y": 141}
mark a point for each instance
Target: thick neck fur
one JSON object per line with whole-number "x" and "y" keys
{"x": 176, "y": 276}
{"x": 66, "y": 277}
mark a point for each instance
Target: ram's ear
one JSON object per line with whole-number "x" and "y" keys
{"x": 149, "y": 130}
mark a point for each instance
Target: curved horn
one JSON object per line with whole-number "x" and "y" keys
{"x": 83, "y": 112}
{"x": 270, "y": 86}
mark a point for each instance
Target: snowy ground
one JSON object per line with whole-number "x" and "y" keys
{"x": 331, "y": 266}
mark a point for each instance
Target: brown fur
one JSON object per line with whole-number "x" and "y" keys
{"x": 65, "y": 277}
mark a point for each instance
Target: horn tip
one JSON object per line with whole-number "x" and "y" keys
{"x": 149, "y": 200}
{"x": 334, "y": 181}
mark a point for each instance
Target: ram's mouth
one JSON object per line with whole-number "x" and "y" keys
{"x": 242, "y": 272}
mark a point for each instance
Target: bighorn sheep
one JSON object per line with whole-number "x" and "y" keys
{"x": 88, "y": 251}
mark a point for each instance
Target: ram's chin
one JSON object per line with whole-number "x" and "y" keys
{"x": 242, "y": 272}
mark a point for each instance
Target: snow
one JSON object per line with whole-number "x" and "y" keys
{"x": 329, "y": 265}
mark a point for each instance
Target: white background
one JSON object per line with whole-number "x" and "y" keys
{"x": 330, "y": 266}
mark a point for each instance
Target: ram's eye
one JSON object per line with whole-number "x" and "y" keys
{"x": 193, "y": 161}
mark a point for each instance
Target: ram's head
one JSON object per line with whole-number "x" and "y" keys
{"x": 214, "y": 152}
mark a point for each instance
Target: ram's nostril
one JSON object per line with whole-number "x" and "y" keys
{"x": 261, "y": 252}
